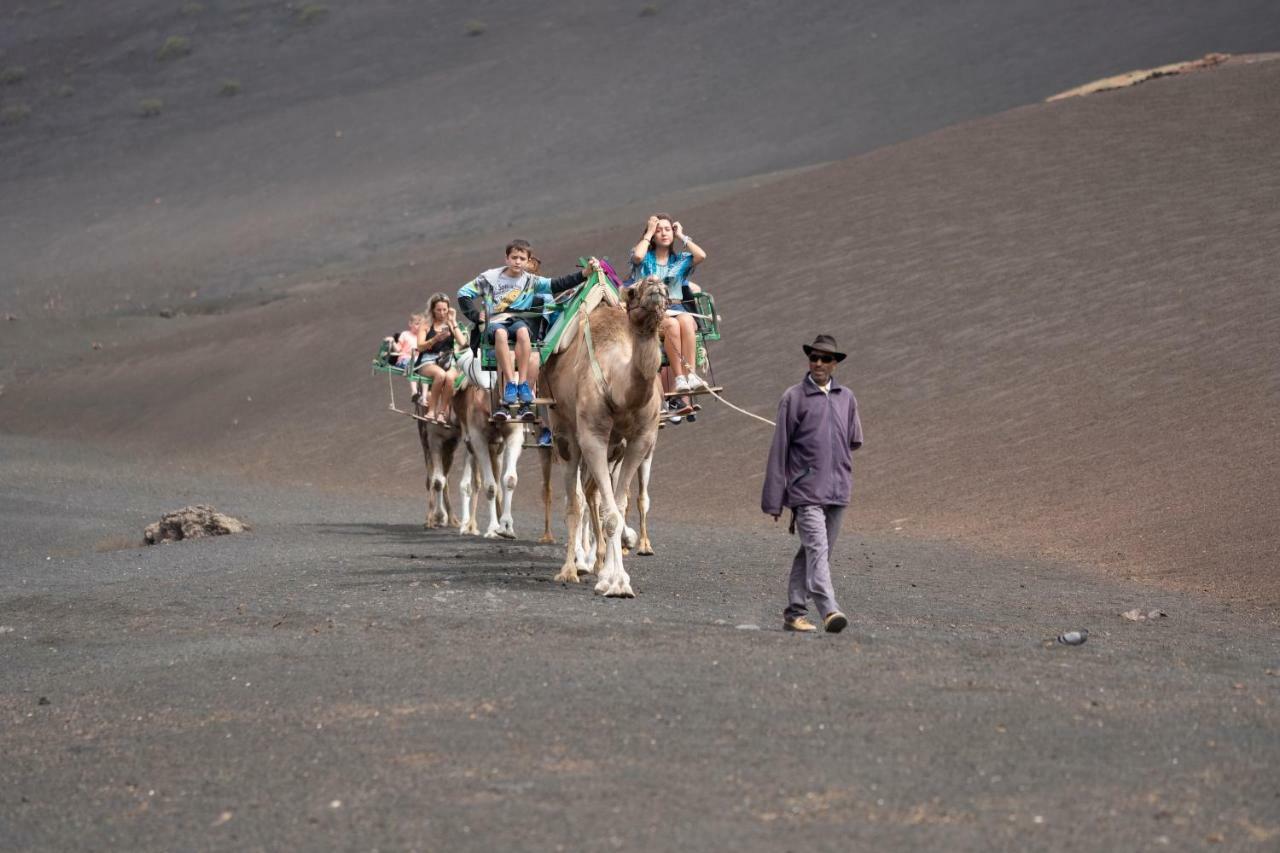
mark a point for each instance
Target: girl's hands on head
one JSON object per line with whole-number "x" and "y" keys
{"x": 678, "y": 230}
{"x": 650, "y": 227}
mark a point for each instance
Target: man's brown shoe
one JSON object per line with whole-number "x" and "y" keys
{"x": 835, "y": 622}
{"x": 800, "y": 624}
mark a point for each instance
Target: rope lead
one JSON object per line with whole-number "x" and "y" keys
{"x": 723, "y": 400}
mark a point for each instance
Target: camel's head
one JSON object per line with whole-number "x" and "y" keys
{"x": 647, "y": 304}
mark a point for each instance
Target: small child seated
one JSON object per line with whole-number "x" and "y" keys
{"x": 406, "y": 342}
{"x": 403, "y": 347}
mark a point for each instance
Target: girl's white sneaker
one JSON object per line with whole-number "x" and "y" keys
{"x": 682, "y": 384}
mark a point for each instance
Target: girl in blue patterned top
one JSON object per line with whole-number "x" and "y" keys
{"x": 655, "y": 255}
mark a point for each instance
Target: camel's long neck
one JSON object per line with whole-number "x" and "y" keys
{"x": 646, "y": 353}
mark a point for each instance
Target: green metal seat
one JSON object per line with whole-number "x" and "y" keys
{"x": 382, "y": 365}
{"x": 488, "y": 357}
{"x": 701, "y": 304}
{"x": 706, "y": 318}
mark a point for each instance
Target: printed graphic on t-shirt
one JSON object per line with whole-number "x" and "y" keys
{"x": 506, "y": 290}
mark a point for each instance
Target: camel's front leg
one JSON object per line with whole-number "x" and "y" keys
{"x": 629, "y": 536}
{"x": 447, "y": 452}
{"x": 633, "y": 456}
{"x": 469, "y": 487}
{"x": 586, "y": 542}
{"x": 425, "y": 440}
{"x": 511, "y": 448}
{"x": 572, "y": 520}
{"x": 645, "y": 547}
{"x": 428, "y": 520}
{"x": 595, "y": 460}
{"x": 439, "y": 485}
{"x": 544, "y": 455}
{"x": 594, "y": 540}
{"x": 490, "y": 489}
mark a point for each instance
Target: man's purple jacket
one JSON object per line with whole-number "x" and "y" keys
{"x": 811, "y": 459}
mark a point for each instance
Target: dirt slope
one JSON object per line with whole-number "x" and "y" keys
{"x": 1062, "y": 323}
{"x": 382, "y": 124}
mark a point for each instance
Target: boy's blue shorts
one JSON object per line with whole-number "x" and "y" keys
{"x": 512, "y": 326}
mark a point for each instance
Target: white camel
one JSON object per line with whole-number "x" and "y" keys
{"x": 494, "y": 453}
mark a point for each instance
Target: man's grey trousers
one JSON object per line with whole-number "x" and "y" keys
{"x": 817, "y": 527}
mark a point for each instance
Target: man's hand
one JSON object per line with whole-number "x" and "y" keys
{"x": 593, "y": 266}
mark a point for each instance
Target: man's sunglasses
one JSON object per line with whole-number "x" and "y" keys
{"x": 825, "y": 359}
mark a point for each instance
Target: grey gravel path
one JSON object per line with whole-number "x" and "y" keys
{"x": 341, "y": 679}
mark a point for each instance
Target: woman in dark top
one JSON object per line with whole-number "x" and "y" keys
{"x": 436, "y": 340}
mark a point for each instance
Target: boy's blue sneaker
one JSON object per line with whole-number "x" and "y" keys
{"x": 523, "y": 392}
{"x": 510, "y": 393}
{"x": 544, "y": 437}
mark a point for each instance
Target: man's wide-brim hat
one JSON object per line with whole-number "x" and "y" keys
{"x": 824, "y": 344}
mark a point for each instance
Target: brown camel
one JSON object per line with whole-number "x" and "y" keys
{"x": 632, "y": 540}
{"x": 439, "y": 444}
{"x": 546, "y": 457}
{"x": 606, "y": 388}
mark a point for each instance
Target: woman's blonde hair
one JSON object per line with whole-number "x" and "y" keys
{"x": 436, "y": 299}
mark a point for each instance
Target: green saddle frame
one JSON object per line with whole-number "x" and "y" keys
{"x": 702, "y": 305}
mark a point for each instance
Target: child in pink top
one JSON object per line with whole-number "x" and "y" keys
{"x": 403, "y": 347}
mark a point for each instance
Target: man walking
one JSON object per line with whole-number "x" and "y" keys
{"x": 810, "y": 471}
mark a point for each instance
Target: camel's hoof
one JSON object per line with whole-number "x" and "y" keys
{"x": 491, "y": 534}
{"x": 506, "y": 533}
{"x": 547, "y": 539}
{"x": 567, "y": 576}
{"x": 644, "y": 552}
{"x": 622, "y": 590}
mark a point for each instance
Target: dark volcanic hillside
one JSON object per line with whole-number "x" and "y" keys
{"x": 1062, "y": 323}
{"x": 360, "y": 127}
